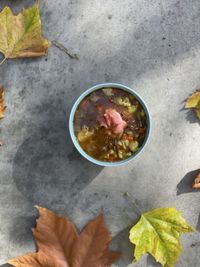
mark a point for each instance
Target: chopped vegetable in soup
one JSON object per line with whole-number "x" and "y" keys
{"x": 110, "y": 124}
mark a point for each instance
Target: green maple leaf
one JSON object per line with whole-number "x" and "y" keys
{"x": 194, "y": 102}
{"x": 158, "y": 233}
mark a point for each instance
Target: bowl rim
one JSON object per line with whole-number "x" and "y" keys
{"x": 71, "y": 124}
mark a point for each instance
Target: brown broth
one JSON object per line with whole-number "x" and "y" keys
{"x": 99, "y": 141}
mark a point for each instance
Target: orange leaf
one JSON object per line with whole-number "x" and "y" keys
{"x": 196, "y": 183}
{"x": 60, "y": 245}
{"x": 91, "y": 248}
{"x": 55, "y": 235}
{"x": 2, "y": 107}
{"x": 38, "y": 259}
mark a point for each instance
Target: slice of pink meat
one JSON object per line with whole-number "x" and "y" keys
{"x": 113, "y": 120}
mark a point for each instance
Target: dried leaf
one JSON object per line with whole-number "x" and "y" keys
{"x": 60, "y": 245}
{"x": 38, "y": 259}
{"x": 158, "y": 233}
{"x": 194, "y": 102}
{"x": 196, "y": 183}
{"x": 55, "y": 235}
{"x": 2, "y": 106}
{"x": 20, "y": 36}
{"x": 92, "y": 246}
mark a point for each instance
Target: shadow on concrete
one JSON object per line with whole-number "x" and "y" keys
{"x": 122, "y": 244}
{"x": 198, "y": 224}
{"x": 18, "y": 5}
{"x": 151, "y": 262}
{"x": 185, "y": 185}
{"x": 21, "y": 232}
{"x": 47, "y": 169}
{"x": 192, "y": 117}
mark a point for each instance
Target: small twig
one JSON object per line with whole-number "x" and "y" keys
{"x": 137, "y": 210}
{"x": 3, "y": 61}
{"x": 64, "y": 49}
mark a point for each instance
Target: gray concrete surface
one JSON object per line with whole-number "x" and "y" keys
{"x": 151, "y": 46}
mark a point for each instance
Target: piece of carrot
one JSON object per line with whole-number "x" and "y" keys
{"x": 142, "y": 131}
{"x": 115, "y": 91}
{"x": 111, "y": 158}
{"x": 127, "y": 137}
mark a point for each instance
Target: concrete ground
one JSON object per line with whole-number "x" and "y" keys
{"x": 151, "y": 46}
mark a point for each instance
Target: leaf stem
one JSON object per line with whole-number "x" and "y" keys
{"x": 3, "y": 61}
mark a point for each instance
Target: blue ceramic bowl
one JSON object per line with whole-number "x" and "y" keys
{"x": 71, "y": 124}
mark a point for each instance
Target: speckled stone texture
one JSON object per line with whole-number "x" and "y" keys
{"x": 151, "y": 46}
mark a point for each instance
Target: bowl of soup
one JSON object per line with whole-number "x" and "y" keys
{"x": 109, "y": 124}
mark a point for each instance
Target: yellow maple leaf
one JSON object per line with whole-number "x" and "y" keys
{"x": 158, "y": 233}
{"x": 193, "y": 102}
{"x": 21, "y": 36}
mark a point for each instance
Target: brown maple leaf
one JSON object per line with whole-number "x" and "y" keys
{"x": 38, "y": 259}
{"x": 196, "y": 183}
{"x": 60, "y": 245}
{"x": 92, "y": 246}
